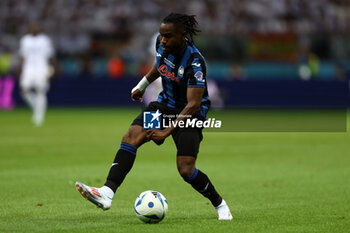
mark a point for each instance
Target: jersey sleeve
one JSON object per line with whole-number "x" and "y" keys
{"x": 196, "y": 72}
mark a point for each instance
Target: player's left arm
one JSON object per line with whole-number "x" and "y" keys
{"x": 21, "y": 58}
{"x": 194, "y": 99}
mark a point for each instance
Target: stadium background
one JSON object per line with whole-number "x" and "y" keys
{"x": 257, "y": 51}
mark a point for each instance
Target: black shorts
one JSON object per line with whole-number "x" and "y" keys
{"x": 187, "y": 140}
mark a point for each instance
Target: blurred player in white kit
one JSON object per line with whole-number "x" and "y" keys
{"x": 155, "y": 87}
{"x": 36, "y": 52}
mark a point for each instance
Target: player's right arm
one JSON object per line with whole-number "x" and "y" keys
{"x": 21, "y": 53}
{"x": 138, "y": 91}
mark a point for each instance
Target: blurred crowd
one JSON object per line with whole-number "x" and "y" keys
{"x": 123, "y": 28}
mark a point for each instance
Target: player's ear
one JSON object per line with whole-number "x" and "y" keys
{"x": 182, "y": 31}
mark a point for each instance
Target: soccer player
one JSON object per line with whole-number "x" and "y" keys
{"x": 36, "y": 53}
{"x": 183, "y": 70}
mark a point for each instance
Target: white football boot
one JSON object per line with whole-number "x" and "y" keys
{"x": 96, "y": 195}
{"x": 223, "y": 211}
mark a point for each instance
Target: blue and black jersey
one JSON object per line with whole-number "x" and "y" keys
{"x": 178, "y": 72}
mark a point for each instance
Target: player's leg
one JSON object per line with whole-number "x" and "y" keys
{"x": 122, "y": 164}
{"x": 26, "y": 85}
{"x": 41, "y": 85}
{"x": 125, "y": 157}
{"x": 28, "y": 96}
{"x": 187, "y": 142}
{"x": 40, "y": 105}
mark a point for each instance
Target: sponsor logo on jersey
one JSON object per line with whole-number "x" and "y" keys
{"x": 196, "y": 64}
{"x": 163, "y": 70}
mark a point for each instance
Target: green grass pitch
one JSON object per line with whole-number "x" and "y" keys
{"x": 273, "y": 182}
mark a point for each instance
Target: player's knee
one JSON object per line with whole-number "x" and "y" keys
{"x": 135, "y": 137}
{"x": 186, "y": 172}
{"x": 185, "y": 168}
{"x": 129, "y": 138}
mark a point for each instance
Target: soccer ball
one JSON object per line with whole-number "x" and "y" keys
{"x": 151, "y": 206}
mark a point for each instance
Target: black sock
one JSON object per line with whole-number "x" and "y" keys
{"x": 121, "y": 166}
{"x": 203, "y": 185}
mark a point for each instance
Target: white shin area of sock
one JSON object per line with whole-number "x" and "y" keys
{"x": 40, "y": 107}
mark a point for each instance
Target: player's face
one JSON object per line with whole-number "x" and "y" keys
{"x": 34, "y": 29}
{"x": 171, "y": 38}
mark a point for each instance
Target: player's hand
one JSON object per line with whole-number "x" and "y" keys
{"x": 137, "y": 95}
{"x": 18, "y": 73}
{"x": 51, "y": 71}
{"x": 158, "y": 134}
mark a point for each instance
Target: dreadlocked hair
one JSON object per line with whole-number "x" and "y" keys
{"x": 189, "y": 23}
